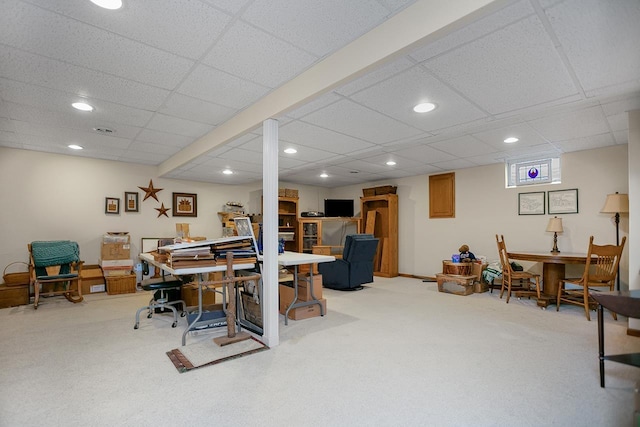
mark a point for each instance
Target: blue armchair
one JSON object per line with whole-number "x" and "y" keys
{"x": 355, "y": 267}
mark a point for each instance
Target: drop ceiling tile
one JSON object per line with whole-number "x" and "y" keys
{"x": 317, "y": 27}
{"x": 6, "y": 125}
{"x": 397, "y": 96}
{"x": 355, "y": 120}
{"x": 621, "y": 104}
{"x": 16, "y": 93}
{"x": 165, "y": 138}
{"x": 621, "y": 136}
{"x": 619, "y": 122}
{"x": 143, "y": 157}
{"x": 240, "y": 155}
{"x": 495, "y": 137}
{"x": 149, "y": 147}
{"x": 425, "y": 154}
{"x": 309, "y": 135}
{"x": 231, "y": 6}
{"x": 164, "y": 123}
{"x": 376, "y": 76}
{"x": 608, "y": 31}
{"x": 586, "y": 143}
{"x": 221, "y": 88}
{"x": 44, "y": 72}
{"x": 46, "y": 136}
{"x": 185, "y": 28}
{"x": 571, "y": 125}
{"x": 263, "y": 59}
{"x": 464, "y": 146}
{"x": 189, "y": 108}
{"x": 454, "y": 164}
{"x": 9, "y": 137}
{"x": 510, "y": 69}
{"x": 480, "y": 28}
{"x": 39, "y": 31}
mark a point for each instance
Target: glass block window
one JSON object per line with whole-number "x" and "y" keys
{"x": 530, "y": 172}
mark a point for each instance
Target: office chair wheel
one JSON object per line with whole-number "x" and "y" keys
{"x": 149, "y": 316}
{"x": 174, "y": 324}
{"x": 136, "y": 326}
{"x": 184, "y": 313}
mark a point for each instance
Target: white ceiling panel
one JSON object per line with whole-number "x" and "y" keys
{"x": 317, "y": 27}
{"x": 221, "y": 88}
{"x": 355, "y": 120}
{"x": 397, "y": 96}
{"x": 559, "y": 74}
{"x": 606, "y": 30}
{"x": 265, "y": 60}
{"x": 513, "y": 68}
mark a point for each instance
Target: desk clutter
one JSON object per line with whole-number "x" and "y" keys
{"x": 207, "y": 253}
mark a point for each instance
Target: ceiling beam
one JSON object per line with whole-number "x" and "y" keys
{"x": 422, "y": 22}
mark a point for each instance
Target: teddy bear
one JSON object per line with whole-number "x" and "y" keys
{"x": 465, "y": 255}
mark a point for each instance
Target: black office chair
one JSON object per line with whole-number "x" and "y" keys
{"x": 162, "y": 285}
{"x": 356, "y": 266}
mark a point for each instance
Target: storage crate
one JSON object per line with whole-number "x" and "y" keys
{"x": 457, "y": 268}
{"x": 11, "y": 296}
{"x": 455, "y": 284}
{"x": 386, "y": 189}
{"x": 289, "y": 192}
{"x": 368, "y": 192}
{"x": 121, "y": 284}
{"x": 281, "y": 192}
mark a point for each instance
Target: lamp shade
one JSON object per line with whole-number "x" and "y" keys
{"x": 555, "y": 225}
{"x": 616, "y": 203}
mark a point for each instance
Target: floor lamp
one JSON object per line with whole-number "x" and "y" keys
{"x": 617, "y": 204}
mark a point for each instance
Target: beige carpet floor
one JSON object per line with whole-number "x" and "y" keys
{"x": 397, "y": 353}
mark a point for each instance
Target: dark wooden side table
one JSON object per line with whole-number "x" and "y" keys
{"x": 625, "y": 303}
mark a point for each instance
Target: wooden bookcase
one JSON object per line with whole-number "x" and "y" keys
{"x": 325, "y": 231}
{"x": 288, "y": 221}
{"x": 380, "y": 218}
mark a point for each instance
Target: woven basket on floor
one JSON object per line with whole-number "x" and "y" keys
{"x": 17, "y": 278}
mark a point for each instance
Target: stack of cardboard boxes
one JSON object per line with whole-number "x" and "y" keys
{"x": 304, "y": 294}
{"x": 116, "y": 263}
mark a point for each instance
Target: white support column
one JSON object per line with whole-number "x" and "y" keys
{"x": 270, "y": 307}
{"x": 634, "y": 207}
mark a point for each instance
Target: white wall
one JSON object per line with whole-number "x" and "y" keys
{"x": 46, "y": 196}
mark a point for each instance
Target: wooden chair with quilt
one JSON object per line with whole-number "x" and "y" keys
{"x": 520, "y": 282}
{"x": 55, "y": 269}
{"x": 599, "y": 274}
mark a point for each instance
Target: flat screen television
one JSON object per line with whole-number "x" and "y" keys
{"x": 338, "y": 207}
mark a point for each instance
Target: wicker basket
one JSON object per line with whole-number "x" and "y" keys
{"x": 386, "y": 189}
{"x": 368, "y": 192}
{"x": 459, "y": 268}
{"x": 17, "y": 278}
{"x": 121, "y": 284}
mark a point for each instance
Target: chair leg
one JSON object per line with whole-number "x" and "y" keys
{"x": 585, "y": 299}
{"x": 36, "y": 298}
{"x": 509, "y": 291}
{"x": 502, "y": 288}
{"x": 141, "y": 309}
{"x": 560, "y": 287}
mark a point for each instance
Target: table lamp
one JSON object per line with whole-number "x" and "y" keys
{"x": 617, "y": 204}
{"x": 555, "y": 225}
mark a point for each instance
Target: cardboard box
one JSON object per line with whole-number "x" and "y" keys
{"x": 114, "y": 272}
{"x": 92, "y": 279}
{"x": 190, "y": 296}
{"x": 117, "y": 263}
{"x": 286, "y": 298}
{"x": 304, "y": 293}
{"x": 115, "y": 247}
{"x": 454, "y": 284}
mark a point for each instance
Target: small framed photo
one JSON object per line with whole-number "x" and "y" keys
{"x": 185, "y": 204}
{"x": 531, "y": 203}
{"x": 131, "y": 201}
{"x": 562, "y": 201}
{"x": 112, "y": 205}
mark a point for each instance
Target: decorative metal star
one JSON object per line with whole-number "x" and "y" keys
{"x": 150, "y": 191}
{"x": 162, "y": 210}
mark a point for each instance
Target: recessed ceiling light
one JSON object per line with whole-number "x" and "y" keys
{"x": 227, "y": 172}
{"x": 108, "y": 4}
{"x": 391, "y": 163}
{"x": 324, "y": 175}
{"x": 290, "y": 150}
{"x": 511, "y": 140}
{"x": 74, "y": 147}
{"x": 82, "y": 106}
{"x": 425, "y": 107}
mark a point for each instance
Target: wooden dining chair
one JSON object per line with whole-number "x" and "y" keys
{"x": 522, "y": 283}
{"x": 599, "y": 274}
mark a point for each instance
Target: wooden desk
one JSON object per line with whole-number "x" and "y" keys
{"x": 626, "y": 303}
{"x": 553, "y": 270}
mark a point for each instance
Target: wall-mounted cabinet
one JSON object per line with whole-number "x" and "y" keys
{"x": 380, "y": 218}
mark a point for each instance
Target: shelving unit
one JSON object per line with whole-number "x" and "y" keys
{"x": 314, "y": 232}
{"x": 288, "y": 221}
{"x": 380, "y": 218}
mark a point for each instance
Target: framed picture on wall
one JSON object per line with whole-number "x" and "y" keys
{"x": 185, "y": 204}
{"x": 131, "y": 201}
{"x": 531, "y": 203}
{"x": 112, "y": 205}
{"x": 563, "y": 201}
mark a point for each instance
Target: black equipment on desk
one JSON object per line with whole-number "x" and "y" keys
{"x": 312, "y": 214}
